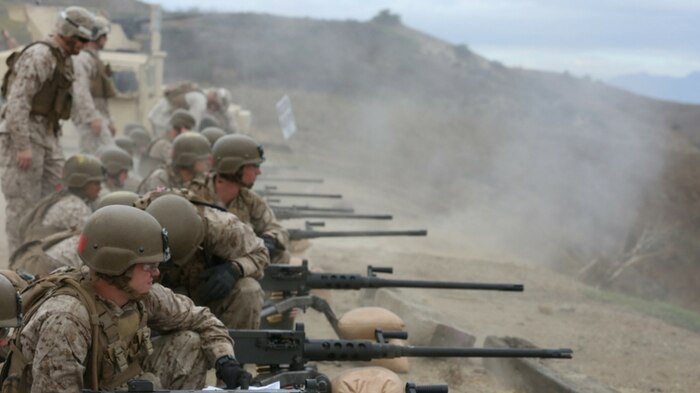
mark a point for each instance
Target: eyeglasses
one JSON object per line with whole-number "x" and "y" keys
{"x": 150, "y": 267}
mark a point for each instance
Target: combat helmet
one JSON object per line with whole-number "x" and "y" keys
{"x": 231, "y": 152}
{"x": 213, "y": 134}
{"x": 10, "y": 304}
{"x": 181, "y": 118}
{"x": 190, "y": 147}
{"x": 117, "y": 237}
{"x": 208, "y": 121}
{"x": 183, "y": 223}
{"x": 77, "y": 22}
{"x": 126, "y": 143}
{"x": 102, "y": 26}
{"x": 115, "y": 160}
{"x": 121, "y": 197}
{"x": 140, "y": 137}
{"x": 81, "y": 169}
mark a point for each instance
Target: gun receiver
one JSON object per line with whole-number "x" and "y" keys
{"x": 284, "y": 354}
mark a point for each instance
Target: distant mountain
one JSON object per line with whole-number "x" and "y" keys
{"x": 685, "y": 89}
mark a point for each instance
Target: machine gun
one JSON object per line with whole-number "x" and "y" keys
{"x": 293, "y": 214}
{"x": 282, "y": 355}
{"x": 307, "y": 208}
{"x": 309, "y": 233}
{"x": 290, "y": 287}
{"x": 290, "y": 179}
{"x": 269, "y": 193}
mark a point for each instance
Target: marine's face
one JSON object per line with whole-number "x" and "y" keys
{"x": 75, "y": 44}
{"x": 142, "y": 277}
{"x": 92, "y": 190}
{"x": 249, "y": 174}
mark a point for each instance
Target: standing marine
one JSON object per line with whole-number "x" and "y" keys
{"x": 93, "y": 86}
{"x": 38, "y": 93}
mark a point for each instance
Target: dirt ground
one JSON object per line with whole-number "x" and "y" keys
{"x": 624, "y": 349}
{"x": 631, "y": 352}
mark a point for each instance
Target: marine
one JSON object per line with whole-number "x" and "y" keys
{"x": 191, "y": 161}
{"x": 93, "y": 87}
{"x": 217, "y": 259}
{"x": 91, "y": 328}
{"x": 68, "y": 208}
{"x": 237, "y": 160}
{"x": 37, "y": 92}
{"x": 158, "y": 152}
{"x": 186, "y": 96}
{"x": 118, "y": 164}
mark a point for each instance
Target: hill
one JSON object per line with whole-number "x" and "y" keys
{"x": 680, "y": 89}
{"x": 544, "y": 166}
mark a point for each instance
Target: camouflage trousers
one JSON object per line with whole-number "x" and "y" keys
{"x": 177, "y": 361}
{"x": 241, "y": 308}
{"x": 23, "y": 188}
{"x": 91, "y": 143}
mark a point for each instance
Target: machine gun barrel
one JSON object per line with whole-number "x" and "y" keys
{"x": 298, "y": 234}
{"x": 290, "y": 179}
{"x": 292, "y": 214}
{"x": 307, "y": 208}
{"x": 268, "y": 193}
{"x": 299, "y": 279}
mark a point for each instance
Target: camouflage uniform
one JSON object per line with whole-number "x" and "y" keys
{"x": 252, "y": 209}
{"x": 87, "y": 108}
{"x": 65, "y": 253}
{"x": 229, "y": 239}
{"x": 22, "y": 129}
{"x": 57, "y": 339}
{"x": 71, "y": 211}
{"x": 160, "y": 114}
{"x": 166, "y": 178}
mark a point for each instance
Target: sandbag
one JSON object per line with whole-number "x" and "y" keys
{"x": 360, "y": 323}
{"x": 367, "y": 380}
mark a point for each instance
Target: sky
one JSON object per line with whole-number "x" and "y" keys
{"x": 596, "y": 38}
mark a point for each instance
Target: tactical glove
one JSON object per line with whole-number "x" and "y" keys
{"x": 270, "y": 244}
{"x": 219, "y": 281}
{"x": 230, "y": 371}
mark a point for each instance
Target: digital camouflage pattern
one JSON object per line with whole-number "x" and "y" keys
{"x": 252, "y": 209}
{"x": 65, "y": 252}
{"x": 166, "y": 178}
{"x": 227, "y": 238}
{"x": 71, "y": 211}
{"x": 20, "y": 130}
{"x": 87, "y": 108}
{"x": 57, "y": 339}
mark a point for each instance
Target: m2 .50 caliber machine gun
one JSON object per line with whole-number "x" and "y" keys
{"x": 283, "y": 355}
{"x": 309, "y": 233}
{"x": 309, "y": 386}
{"x": 290, "y": 287}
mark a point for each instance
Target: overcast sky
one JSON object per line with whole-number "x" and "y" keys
{"x": 600, "y": 38}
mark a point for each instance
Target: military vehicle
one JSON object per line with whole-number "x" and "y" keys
{"x": 137, "y": 73}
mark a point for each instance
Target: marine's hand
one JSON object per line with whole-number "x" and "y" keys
{"x": 230, "y": 371}
{"x": 24, "y": 158}
{"x": 270, "y": 244}
{"x": 219, "y": 281}
{"x": 96, "y": 126}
